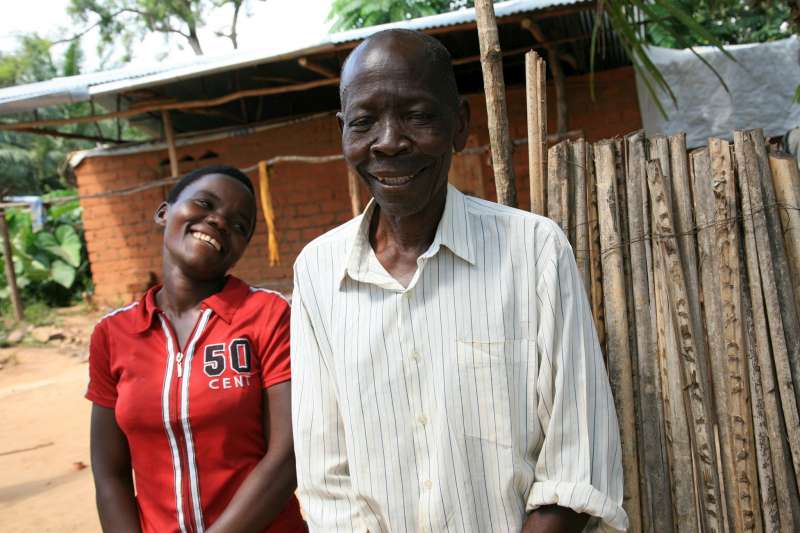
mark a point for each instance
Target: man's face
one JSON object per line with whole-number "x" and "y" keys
{"x": 399, "y": 125}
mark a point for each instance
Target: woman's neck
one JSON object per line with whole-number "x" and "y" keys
{"x": 181, "y": 294}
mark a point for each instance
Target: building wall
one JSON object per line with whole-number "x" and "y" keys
{"x": 124, "y": 243}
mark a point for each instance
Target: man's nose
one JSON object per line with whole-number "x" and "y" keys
{"x": 391, "y": 139}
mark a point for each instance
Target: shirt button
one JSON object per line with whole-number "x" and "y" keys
{"x": 422, "y": 419}
{"x": 415, "y": 355}
{"x": 427, "y": 484}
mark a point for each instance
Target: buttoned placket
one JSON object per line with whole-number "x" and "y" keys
{"x": 417, "y": 367}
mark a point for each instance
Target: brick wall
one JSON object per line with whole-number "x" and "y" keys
{"x": 124, "y": 243}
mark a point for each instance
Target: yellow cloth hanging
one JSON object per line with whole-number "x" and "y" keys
{"x": 273, "y": 257}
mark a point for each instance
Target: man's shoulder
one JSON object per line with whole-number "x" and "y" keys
{"x": 335, "y": 240}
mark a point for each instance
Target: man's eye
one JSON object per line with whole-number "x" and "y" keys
{"x": 361, "y": 124}
{"x": 420, "y": 117}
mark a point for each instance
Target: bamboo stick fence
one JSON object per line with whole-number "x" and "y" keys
{"x": 691, "y": 262}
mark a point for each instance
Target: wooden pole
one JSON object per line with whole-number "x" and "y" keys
{"x": 620, "y": 365}
{"x": 355, "y": 192}
{"x": 694, "y": 383}
{"x": 559, "y": 79}
{"x": 786, "y": 178}
{"x": 11, "y": 276}
{"x": 714, "y": 205}
{"x": 783, "y": 277}
{"x": 770, "y": 342}
{"x": 536, "y": 97}
{"x": 557, "y": 175}
{"x": 497, "y": 116}
{"x": 655, "y": 483}
{"x": 577, "y": 175}
{"x": 169, "y": 137}
{"x": 595, "y": 266}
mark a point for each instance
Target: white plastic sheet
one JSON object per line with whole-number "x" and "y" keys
{"x": 762, "y": 84}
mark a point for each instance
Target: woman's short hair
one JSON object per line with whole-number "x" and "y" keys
{"x": 194, "y": 175}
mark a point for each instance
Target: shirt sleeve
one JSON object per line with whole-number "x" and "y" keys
{"x": 274, "y": 356}
{"x": 323, "y": 473}
{"x": 579, "y": 465}
{"x": 102, "y": 388}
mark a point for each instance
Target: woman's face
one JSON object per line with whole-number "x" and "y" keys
{"x": 208, "y": 227}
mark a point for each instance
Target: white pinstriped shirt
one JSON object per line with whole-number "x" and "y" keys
{"x": 460, "y": 403}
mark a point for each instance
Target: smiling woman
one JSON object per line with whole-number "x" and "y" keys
{"x": 208, "y": 437}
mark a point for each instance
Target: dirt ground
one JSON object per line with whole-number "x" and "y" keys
{"x": 45, "y": 478}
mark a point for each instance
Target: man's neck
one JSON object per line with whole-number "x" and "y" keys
{"x": 408, "y": 234}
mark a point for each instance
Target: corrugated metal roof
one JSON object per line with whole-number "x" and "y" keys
{"x": 85, "y": 86}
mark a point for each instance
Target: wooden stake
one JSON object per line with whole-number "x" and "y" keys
{"x": 355, "y": 192}
{"x": 557, "y": 176}
{"x": 11, "y": 276}
{"x": 718, "y": 254}
{"x": 497, "y": 116}
{"x": 694, "y": 384}
{"x": 786, "y": 178}
{"x": 620, "y": 366}
{"x": 577, "y": 175}
{"x": 169, "y": 137}
{"x": 783, "y": 277}
{"x": 778, "y": 394}
{"x": 655, "y": 483}
{"x": 595, "y": 267}
{"x": 536, "y": 97}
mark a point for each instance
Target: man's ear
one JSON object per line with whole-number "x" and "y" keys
{"x": 340, "y": 121}
{"x": 461, "y": 125}
{"x": 160, "y": 216}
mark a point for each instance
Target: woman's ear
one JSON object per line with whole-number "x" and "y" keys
{"x": 160, "y": 216}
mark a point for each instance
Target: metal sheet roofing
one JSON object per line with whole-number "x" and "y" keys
{"x": 86, "y": 86}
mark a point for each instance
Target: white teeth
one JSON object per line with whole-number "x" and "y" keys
{"x": 207, "y": 238}
{"x": 395, "y": 180}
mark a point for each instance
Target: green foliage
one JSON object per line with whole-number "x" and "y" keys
{"x": 124, "y": 22}
{"x": 362, "y": 13}
{"x": 727, "y": 21}
{"x": 51, "y": 265}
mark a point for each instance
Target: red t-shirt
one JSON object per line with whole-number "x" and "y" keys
{"x": 193, "y": 415}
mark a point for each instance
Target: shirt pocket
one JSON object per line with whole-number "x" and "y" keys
{"x": 486, "y": 373}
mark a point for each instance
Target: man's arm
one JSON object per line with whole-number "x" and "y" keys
{"x": 323, "y": 474}
{"x": 578, "y": 467}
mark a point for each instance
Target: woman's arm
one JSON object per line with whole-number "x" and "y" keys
{"x": 113, "y": 478}
{"x": 267, "y": 489}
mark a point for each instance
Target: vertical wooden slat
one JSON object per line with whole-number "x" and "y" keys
{"x": 577, "y": 165}
{"x": 783, "y": 277}
{"x": 536, "y": 97}
{"x": 557, "y": 174}
{"x": 619, "y": 357}
{"x": 694, "y": 384}
{"x": 655, "y": 482}
{"x": 768, "y": 333}
{"x": 595, "y": 267}
{"x": 718, "y": 260}
{"x": 786, "y": 178}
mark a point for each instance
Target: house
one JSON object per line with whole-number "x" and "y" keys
{"x": 246, "y": 107}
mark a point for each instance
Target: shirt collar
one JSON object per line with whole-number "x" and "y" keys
{"x": 453, "y": 232}
{"x": 225, "y": 303}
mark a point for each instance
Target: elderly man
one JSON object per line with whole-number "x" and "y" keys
{"x": 447, "y": 375}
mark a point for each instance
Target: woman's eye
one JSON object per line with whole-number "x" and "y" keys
{"x": 240, "y": 228}
{"x": 203, "y": 203}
